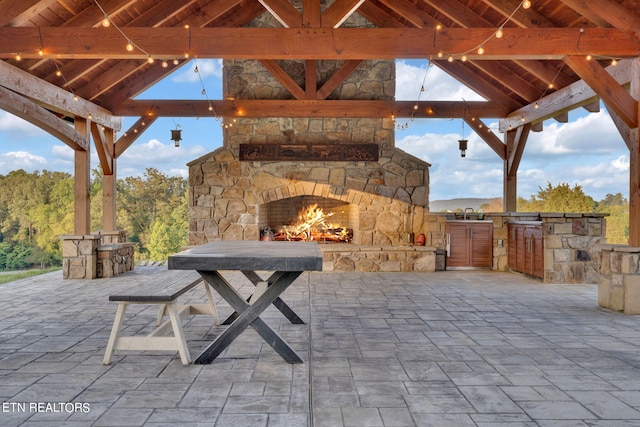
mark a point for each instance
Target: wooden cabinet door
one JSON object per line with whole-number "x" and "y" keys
{"x": 526, "y": 249}
{"x": 470, "y": 244}
{"x": 458, "y": 247}
{"x": 481, "y": 250}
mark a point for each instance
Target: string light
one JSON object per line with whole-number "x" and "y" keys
{"x": 498, "y": 34}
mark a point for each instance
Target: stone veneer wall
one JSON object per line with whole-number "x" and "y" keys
{"x": 226, "y": 194}
{"x": 564, "y": 235}
{"x": 101, "y": 254}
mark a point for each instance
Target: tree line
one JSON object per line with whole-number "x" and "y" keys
{"x": 37, "y": 208}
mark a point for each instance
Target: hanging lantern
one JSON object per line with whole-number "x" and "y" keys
{"x": 176, "y": 136}
{"x": 462, "y": 143}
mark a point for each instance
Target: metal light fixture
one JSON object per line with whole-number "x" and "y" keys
{"x": 176, "y": 136}
{"x": 462, "y": 143}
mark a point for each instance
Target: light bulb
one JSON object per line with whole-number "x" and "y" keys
{"x": 499, "y": 33}
{"x": 614, "y": 62}
{"x": 526, "y": 4}
{"x": 41, "y": 52}
{"x": 165, "y": 64}
{"x": 464, "y": 58}
{"x": 129, "y": 46}
{"x": 58, "y": 73}
{"x": 440, "y": 54}
{"x": 105, "y": 21}
{"x": 186, "y": 55}
{"x": 175, "y": 62}
{"x": 589, "y": 57}
{"x": 18, "y": 57}
{"x": 150, "y": 60}
{"x": 480, "y": 50}
{"x": 450, "y": 58}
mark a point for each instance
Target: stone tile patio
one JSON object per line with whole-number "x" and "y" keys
{"x": 455, "y": 348}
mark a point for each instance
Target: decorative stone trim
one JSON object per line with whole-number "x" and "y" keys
{"x": 347, "y": 257}
{"x": 619, "y": 278}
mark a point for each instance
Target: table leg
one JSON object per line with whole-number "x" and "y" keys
{"x": 248, "y": 315}
{"x": 278, "y": 302}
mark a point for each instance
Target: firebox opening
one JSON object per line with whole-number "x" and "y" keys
{"x": 278, "y": 219}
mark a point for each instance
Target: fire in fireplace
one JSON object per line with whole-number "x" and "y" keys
{"x": 312, "y": 225}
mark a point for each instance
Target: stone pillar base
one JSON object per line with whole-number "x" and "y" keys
{"x": 619, "y": 278}
{"x": 79, "y": 256}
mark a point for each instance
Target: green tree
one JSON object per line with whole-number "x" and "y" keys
{"x": 618, "y": 220}
{"x": 170, "y": 231}
{"x": 561, "y": 198}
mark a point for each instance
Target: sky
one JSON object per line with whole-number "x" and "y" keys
{"x": 587, "y": 151}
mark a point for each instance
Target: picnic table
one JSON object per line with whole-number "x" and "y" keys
{"x": 286, "y": 260}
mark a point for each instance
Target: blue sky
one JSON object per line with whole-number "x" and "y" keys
{"x": 587, "y": 151}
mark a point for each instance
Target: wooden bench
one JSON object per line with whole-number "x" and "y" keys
{"x": 166, "y": 295}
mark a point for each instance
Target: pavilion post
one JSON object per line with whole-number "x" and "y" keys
{"x": 510, "y": 184}
{"x": 82, "y": 174}
{"x": 634, "y": 159}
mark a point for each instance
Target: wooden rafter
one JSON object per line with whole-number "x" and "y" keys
{"x": 339, "y": 12}
{"x": 284, "y": 12}
{"x": 54, "y": 98}
{"x": 19, "y": 12}
{"x": 612, "y": 94}
{"x": 283, "y": 78}
{"x": 104, "y": 148}
{"x": 487, "y": 135}
{"x": 568, "y": 98}
{"x": 611, "y": 12}
{"x": 131, "y": 135}
{"x": 40, "y": 117}
{"x": 313, "y": 43}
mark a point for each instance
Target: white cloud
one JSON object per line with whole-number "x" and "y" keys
{"x": 206, "y": 68}
{"x": 17, "y": 127}
{"x": 438, "y": 85}
{"x": 14, "y": 160}
{"x": 166, "y": 158}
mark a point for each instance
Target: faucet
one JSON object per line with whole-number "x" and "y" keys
{"x": 465, "y": 212}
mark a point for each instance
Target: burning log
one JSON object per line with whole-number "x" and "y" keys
{"x": 312, "y": 225}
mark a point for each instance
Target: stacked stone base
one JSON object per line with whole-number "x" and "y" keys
{"x": 101, "y": 254}
{"x": 348, "y": 257}
{"x": 619, "y": 279}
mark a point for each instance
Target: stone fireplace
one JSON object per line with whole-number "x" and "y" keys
{"x": 270, "y": 168}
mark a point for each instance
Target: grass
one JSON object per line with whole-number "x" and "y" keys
{"x": 17, "y": 275}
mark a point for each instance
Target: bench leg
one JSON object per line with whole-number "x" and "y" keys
{"x": 178, "y": 333}
{"x": 212, "y": 305}
{"x": 115, "y": 330}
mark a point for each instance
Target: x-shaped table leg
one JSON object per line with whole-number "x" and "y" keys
{"x": 248, "y": 315}
{"x": 278, "y": 303}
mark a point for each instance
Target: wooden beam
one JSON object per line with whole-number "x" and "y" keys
{"x": 317, "y": 43}
{"x": 19, "y": 12}
{"x": 54, "y": 98}
{"x": 130, "y": 136}
{"x": 378, "y": 16}
{"x": 82, "y": 183}
{"x": 38, "y": 116}
{"x": 516, "y": 84}
{"x": 634, "y": 163}
{"x": 515, "y": 141}
{"x": 487, "y": 135}
{"x": 528, "y": 18}
{"x": 104, "y": 151}
{"x": 284, "y": 12}
{"x": 337, "y": 78}
{"x": 311, "y": 13}
{"x": 310, "y": 108}
{"x": 310, "y": 80}
{"x": 283, "y": 78}
{"x": 565, "y": 99}
{"x": 417, "y": 17}
{"x": 612, "y": 12}
{"x": 612, "y": 94}
{"x": 339, "y": 11}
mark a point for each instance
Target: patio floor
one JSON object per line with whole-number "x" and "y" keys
{"x": 455, "y": 348}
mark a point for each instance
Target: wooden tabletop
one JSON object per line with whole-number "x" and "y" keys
{"x": 249, "y": 255}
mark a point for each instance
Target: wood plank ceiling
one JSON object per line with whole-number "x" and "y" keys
{"x": 83, "y": 57}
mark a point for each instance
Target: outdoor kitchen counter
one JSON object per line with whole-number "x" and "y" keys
{"x": 287, "y": 261}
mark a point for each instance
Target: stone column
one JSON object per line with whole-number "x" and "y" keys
{"x": 79, "y": 256}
